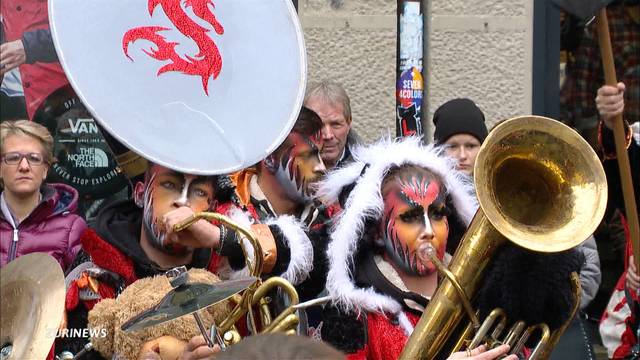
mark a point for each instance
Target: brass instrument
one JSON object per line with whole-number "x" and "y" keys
{"x": 539, "y": 185}
{"x": 186, "y": 299}
{"x": 32, "y": 291}
{"x": 255, "y": 294}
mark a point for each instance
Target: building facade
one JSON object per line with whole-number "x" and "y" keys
{"x": 476, "y": 49}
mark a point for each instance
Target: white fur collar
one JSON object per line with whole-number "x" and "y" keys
{"x": 365, "y": 200}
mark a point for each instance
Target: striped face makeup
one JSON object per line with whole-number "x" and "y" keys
{"x": 167, "y": 190}
{"x": 414, "y": 213}
{"x": 299, "y": 166}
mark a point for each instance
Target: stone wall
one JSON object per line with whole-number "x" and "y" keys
{"x": 481, "y": 50}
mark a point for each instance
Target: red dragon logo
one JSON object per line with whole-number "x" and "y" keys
{"x": 206, "y": 63}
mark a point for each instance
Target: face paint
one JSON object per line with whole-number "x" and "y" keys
{"x": 414, "y": 213}
{"x": 167, "y": 190}
{"x": 300, "y": 166}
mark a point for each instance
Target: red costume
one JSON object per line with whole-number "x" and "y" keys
{"x": 113, "y": 250}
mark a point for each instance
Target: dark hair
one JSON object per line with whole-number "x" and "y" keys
{"x": 308, "y": 122}
{"x": 280, "y": 346}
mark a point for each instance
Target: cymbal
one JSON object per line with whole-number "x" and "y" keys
{"x": 33, "y": 293}
{"x": 186, "y": 299}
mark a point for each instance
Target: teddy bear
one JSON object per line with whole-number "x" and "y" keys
{"x": 169, "y": 338}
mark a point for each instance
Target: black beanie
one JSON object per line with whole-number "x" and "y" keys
{"x": 458, "y": 116}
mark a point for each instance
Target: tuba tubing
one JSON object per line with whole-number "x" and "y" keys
{"x": 257, "y": 293}
{"x": 539, "y": 185}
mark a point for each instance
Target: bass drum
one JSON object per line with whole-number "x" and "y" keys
{"x": 84, "y": 159}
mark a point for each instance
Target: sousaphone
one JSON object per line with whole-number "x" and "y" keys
{"x": 203, "y": 87}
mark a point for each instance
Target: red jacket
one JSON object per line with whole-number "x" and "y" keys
{"x": 52, "y": 227}
{"x": 39, "y": 80}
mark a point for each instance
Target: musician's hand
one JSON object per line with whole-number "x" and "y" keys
{"x": 197, "y": 349}
{"x": 162, "y": 348}
{"x": 12, "y": 55}
{"x": 481, "y": 353}
{"x": 610, "y": 102}
{"x": 201, "y": 234}
{"x": 632, "y": 278}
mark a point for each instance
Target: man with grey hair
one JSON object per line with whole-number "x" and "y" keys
{"x": 330, "y": 101}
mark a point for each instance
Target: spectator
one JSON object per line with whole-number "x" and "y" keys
{"x": 330, "y": 101}
{"x": 460, "y": 128}
{"x": 29, "y": 46}
{"x": 34, "y": 217}
{"x": 584, "y": 73}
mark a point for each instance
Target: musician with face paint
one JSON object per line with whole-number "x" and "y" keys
{"x": 279, "y": 192}
{"x": 134, "y": 239}
{"x": 400, "y": 200}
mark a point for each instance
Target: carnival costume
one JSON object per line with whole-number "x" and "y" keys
{"x": 372, "y": 313}
{"x": 112, "y": 258}
{"x": 302, "y": 239}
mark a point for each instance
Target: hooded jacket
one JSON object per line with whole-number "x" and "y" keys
{"x": 112, "y": 247}
{"x": 52, "y": 228}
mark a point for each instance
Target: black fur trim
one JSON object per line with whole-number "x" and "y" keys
{"x": 530, "y": 286}
{"x": 80, "y": 258}
{"x": 284, "y": 251}
{"x": 346, "y": 333}
{"x": 230, "y": 248}
{"x": 313, "y": 286}
{"x": 226, "y": 190}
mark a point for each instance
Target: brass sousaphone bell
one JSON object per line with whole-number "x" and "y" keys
{"x": 32, "y": 292}
{"x": 540, "y": 186}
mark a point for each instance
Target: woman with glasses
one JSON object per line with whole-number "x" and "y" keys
{"x": 34, "y": 217}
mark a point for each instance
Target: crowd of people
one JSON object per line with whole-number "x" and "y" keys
{"x": 363, "y": 226}
{"x": 355, "y": 231}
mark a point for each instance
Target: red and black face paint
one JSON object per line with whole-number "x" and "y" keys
{"x": 299, "y": 166}
{"x": 414, "y": 213}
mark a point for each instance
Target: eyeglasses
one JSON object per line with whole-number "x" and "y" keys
{"x": 14, "y": 158}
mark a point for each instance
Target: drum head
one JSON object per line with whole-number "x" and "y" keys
{"x": 202, "y": 87}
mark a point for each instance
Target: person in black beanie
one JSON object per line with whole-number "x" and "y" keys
{"x": 460, "y": 127}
